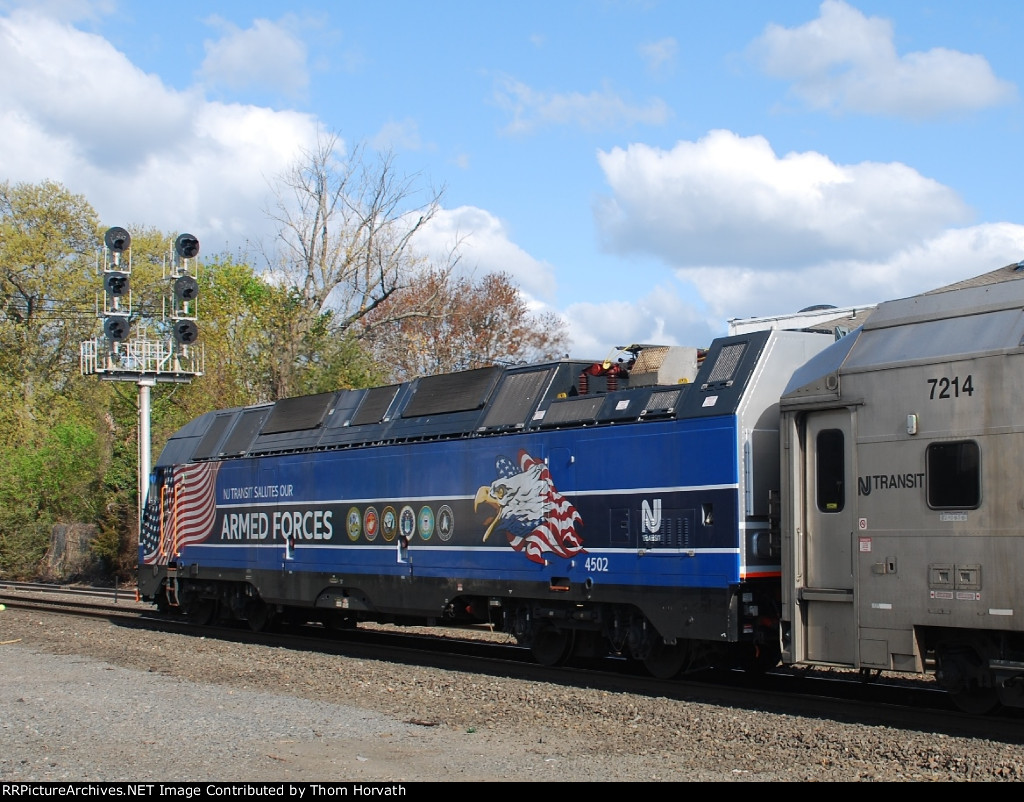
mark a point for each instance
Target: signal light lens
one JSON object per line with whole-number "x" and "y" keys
{"x": 186, "y": 246}
{"x": 186, "y": 332}
{"x": 116, "y": 327}
{"x": 117, "y": 239}
{"x": 116, "y": 284}
{"x": 186, "y": 288}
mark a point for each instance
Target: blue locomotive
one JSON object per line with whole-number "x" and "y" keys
{"x": 782, "y": 496}
{"x": 586, "y": 508}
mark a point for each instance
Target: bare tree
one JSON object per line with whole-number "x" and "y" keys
{"x": 346, "y": 226}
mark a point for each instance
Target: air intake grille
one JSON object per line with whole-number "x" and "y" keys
{"x": 516, "y": 397}
{"x": 294, "y": 414}
{"x": 244, "y": 432}
{"x": 576, "y": 410}
{"x": 456, "y": 392}
{"x": 375, "y": 405}
{"x": 663, "y": 402}
{"x": 208, "y": 444}
{"x": 725, "y": 365}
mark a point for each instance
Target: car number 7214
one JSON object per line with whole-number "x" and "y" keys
{"x": 951, "y": 388}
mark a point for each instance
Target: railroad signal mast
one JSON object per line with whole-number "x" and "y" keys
{"x": 117, "y": 356}
{"x": 117, "y": 299}
{"x": 183, "y": 295}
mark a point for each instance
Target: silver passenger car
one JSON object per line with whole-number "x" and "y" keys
{"x": 902, "y": 494}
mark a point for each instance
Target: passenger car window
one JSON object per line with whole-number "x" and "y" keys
{"x": 831, "y": 470}
{"x": 954, "y": 475}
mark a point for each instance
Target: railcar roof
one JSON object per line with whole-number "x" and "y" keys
{"x": 487, "y": 401}
{"x": 980, "y": 315}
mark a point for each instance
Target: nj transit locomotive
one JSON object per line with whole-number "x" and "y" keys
{"x": 782, "y": 495}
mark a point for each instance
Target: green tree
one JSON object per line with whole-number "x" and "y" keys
{"x": 51, "y": 478}
{"x": 47, "y": 449}
{"x": 47, "y": 245}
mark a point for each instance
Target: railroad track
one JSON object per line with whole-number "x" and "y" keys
{"x": 72, "y": 600}
{"x": 821, "y": 693}
{"x": 39, "y": 588}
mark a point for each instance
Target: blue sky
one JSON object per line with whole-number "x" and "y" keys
{"x": 647, "y": 170}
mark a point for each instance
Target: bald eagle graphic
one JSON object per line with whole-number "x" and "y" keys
{"x": 536, "y": 518}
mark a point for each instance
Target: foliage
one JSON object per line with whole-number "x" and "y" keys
{"x": 343, "y": 301}
{"x": 245, "y": 325}
{"x": 47, "y": 455}
{"x": 47, "y": 238}
{"x": 337, "y": 361}
{"x": 444, "y": 324}
{"x": 52, "y": 476}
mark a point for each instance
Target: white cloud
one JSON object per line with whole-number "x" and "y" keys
{"x": 266, "y": 55}
{"x": 486, "y": 248}
{"x": 727, "y": 200}
{"x": 749, "y": 233}
{"x": 846, "y": 61}
{"x": 695, "y": 307}
{"x": 948, "y": 257}
{"x": 76, "y": 111}
{"x": 662, "y": 317}
{"x": 531, "y": 109}
{"x": 66, "y": 10}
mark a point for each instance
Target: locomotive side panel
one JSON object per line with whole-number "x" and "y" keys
{"x": 409, "y": 527}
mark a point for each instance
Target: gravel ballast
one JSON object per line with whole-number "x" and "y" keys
{"x": 84, "y": 700}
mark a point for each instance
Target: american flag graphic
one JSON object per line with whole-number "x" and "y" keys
{"x": 183, "y": 513}
{"x": 536, "y": 518}
{"x": 149, "y": 535}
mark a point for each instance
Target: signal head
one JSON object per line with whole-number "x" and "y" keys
{"x": 186, "y": 332}
{"x": 116, "y": 284}
{"x": 186, "y": 246}
{"x": 186, "y": 288}
{"x": 117, "y": 239}
{"x": 116, "y": 327}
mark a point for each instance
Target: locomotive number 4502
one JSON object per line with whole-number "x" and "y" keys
{"x": 596, "y": 564}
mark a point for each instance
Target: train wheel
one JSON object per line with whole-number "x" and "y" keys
{"x": 664, "y": 661}
{"x": 259, "y": 615}
{"x": 552, "y": 646}
{"x": 976, "y": 700}
{"x": 201, "y": 612}
{"x": 964, "y": 674}
{"x": 588, "y": 646}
